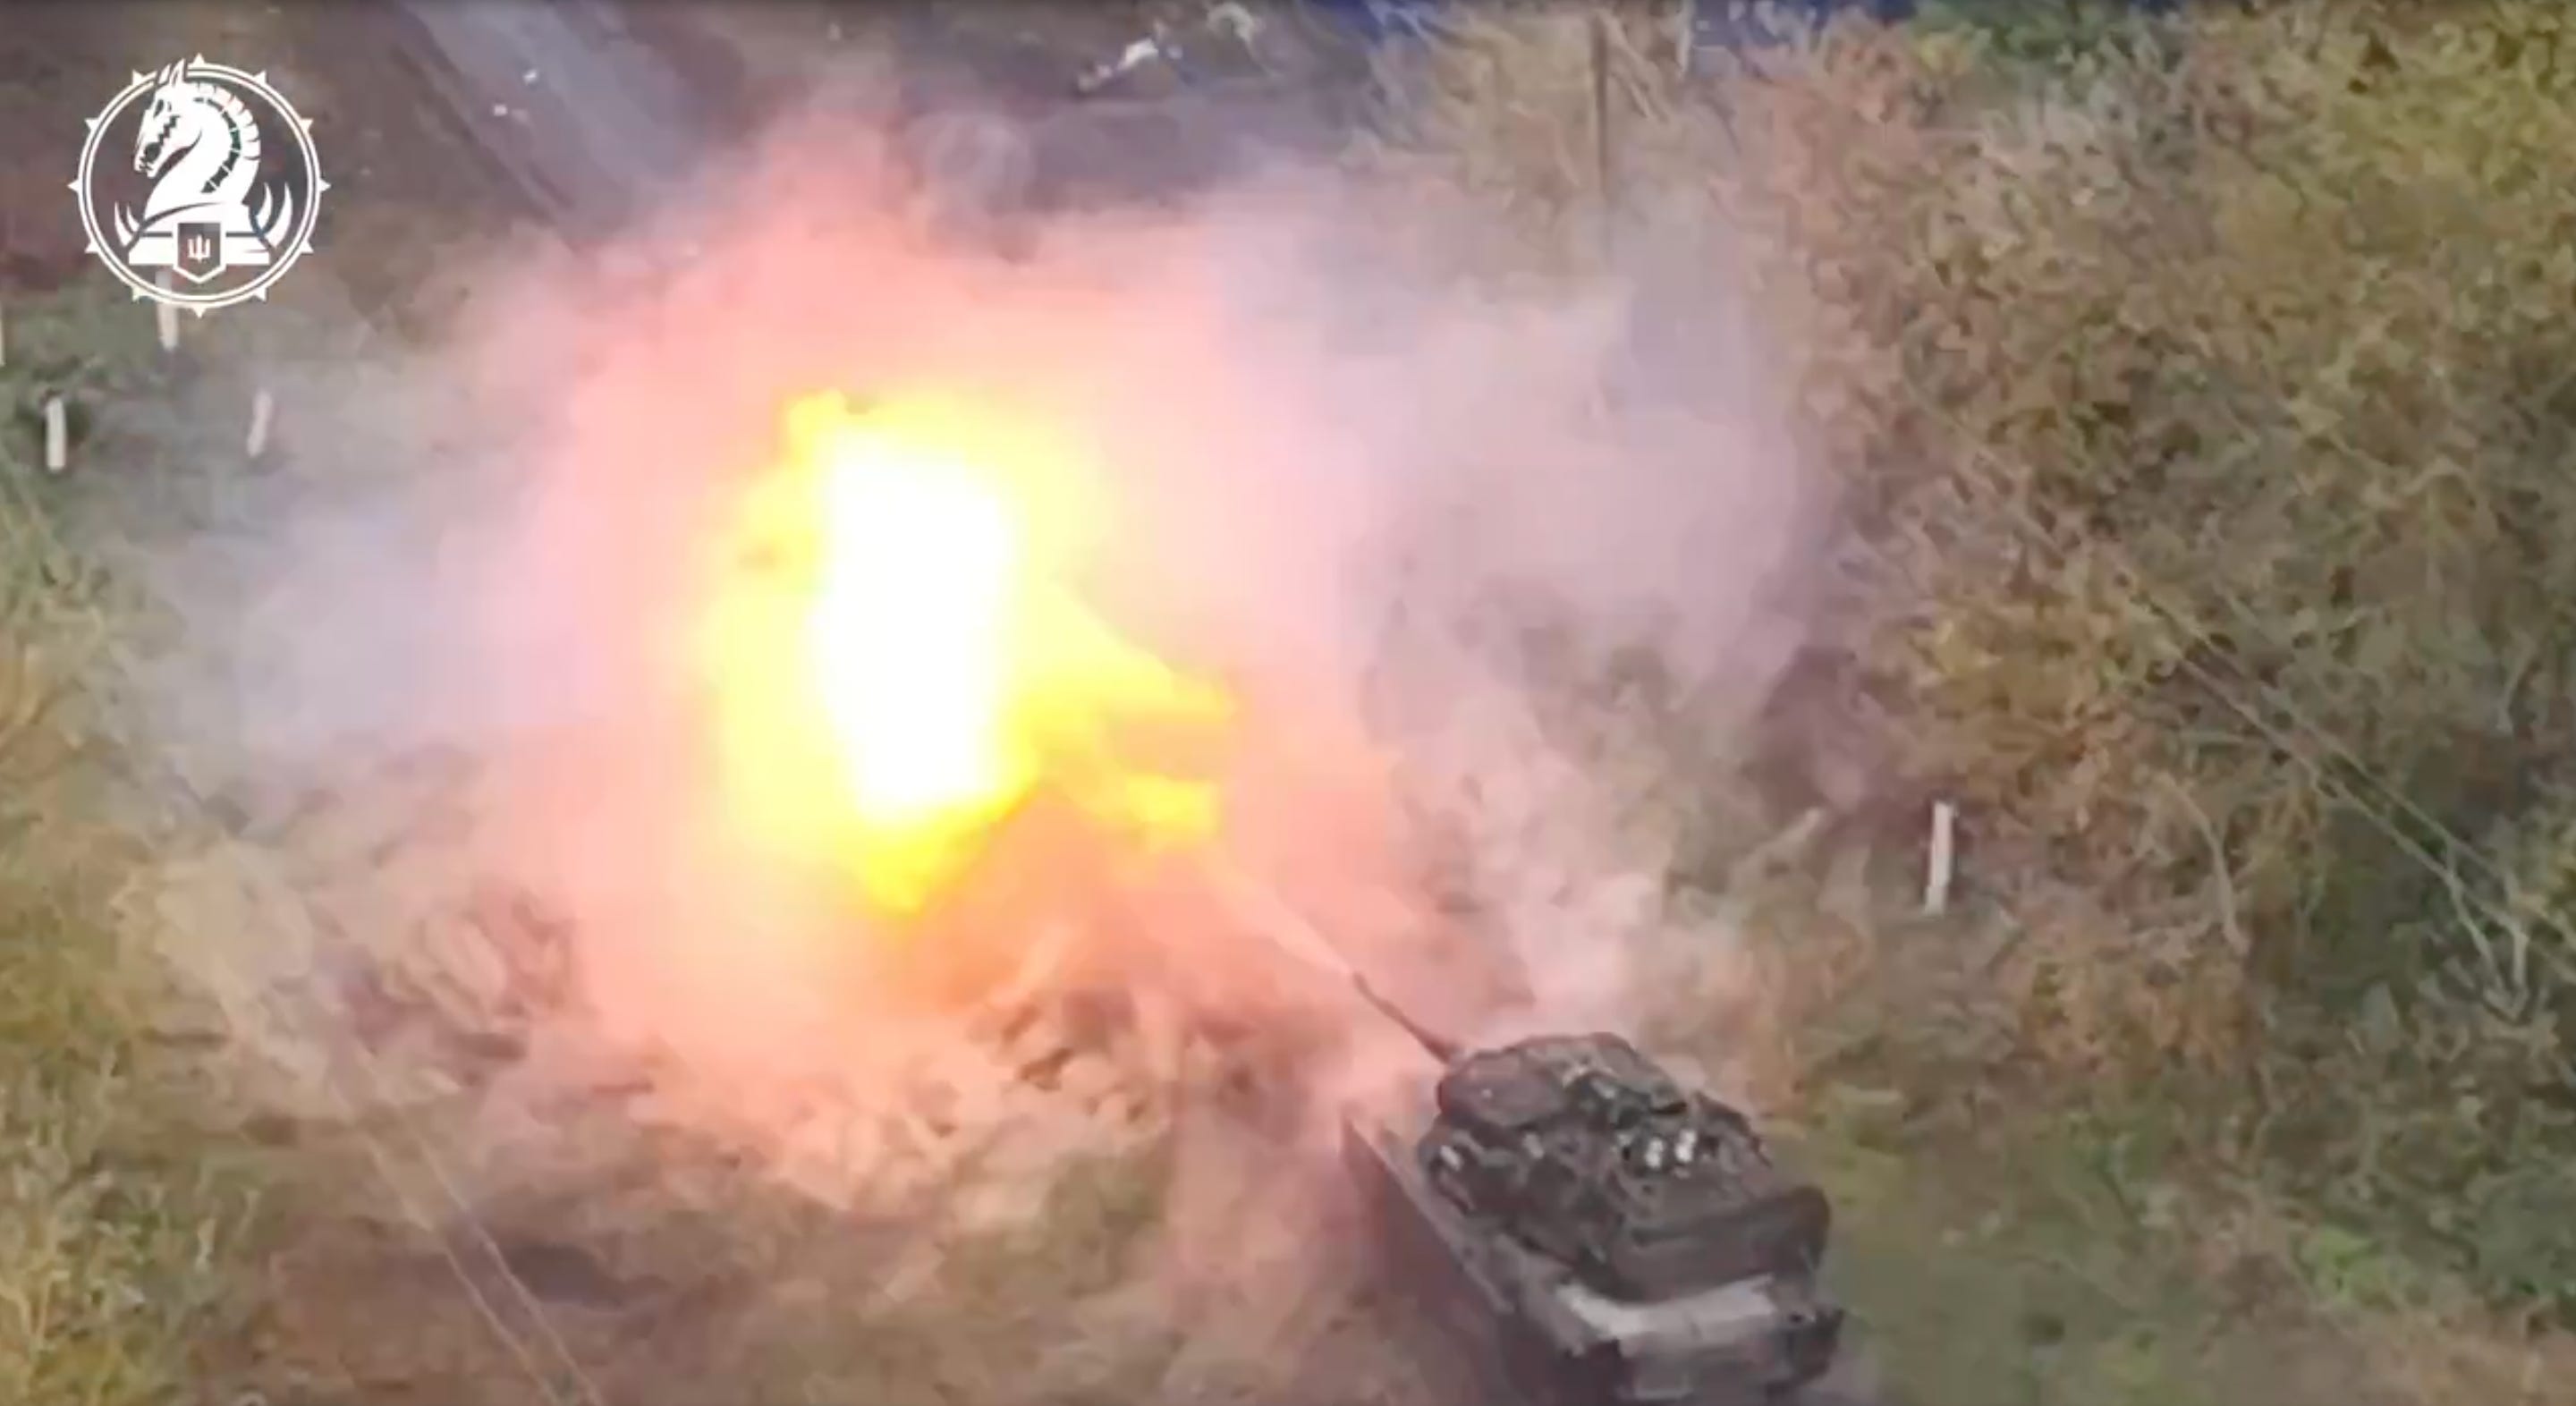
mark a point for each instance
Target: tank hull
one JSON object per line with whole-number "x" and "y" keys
{"x": 1514, "y": 1327}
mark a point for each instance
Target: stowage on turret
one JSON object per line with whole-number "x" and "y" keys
{"x": 1592, "y": 1233}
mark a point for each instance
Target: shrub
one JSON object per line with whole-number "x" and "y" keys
{"x": 2203, "y": 401}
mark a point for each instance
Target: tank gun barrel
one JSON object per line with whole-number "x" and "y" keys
{"x": 1265, "y": 913}
{"x": 1440, "y": 1047}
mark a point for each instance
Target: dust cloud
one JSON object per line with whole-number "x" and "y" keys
{"x": 1346, "y": 475}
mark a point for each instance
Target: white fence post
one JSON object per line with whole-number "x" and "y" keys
{"x": 58, "y": 446}
{"x": 1942, "y": 863}
{"x": 263, "y": 407}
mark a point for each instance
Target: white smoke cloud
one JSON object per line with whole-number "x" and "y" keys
{"x": 1332, "y": 460}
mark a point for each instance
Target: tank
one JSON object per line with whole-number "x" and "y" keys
{"x": 1586, "y": 1230}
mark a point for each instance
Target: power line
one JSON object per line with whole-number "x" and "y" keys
{"x": 351, "y": 1053}
{"x": 379, "y": 1155}
{"x": 2302, "y": 728}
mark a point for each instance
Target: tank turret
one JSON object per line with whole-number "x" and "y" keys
{"x": 1589, "y": 1153}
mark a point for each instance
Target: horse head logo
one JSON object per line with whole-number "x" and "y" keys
{"x": 170, "y": 121}
{"x": 229, "y": 178}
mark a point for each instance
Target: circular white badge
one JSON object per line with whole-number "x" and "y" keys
{"x": 198, "y": 185}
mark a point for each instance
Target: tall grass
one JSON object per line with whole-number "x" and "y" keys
{"x": 120, "y": 1224}
{"x": 2201, "y": 393}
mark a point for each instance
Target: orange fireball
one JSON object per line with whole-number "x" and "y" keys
{"x": 898, "y": 660}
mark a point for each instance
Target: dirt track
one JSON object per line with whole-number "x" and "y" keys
{"x": 447, "y": 123}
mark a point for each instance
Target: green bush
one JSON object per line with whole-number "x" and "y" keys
{"x": 2206, "y": 395}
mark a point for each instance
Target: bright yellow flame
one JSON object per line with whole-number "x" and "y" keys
{"x": 898, "y": 664}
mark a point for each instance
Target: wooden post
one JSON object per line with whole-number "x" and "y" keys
{"x": 58, "y": 435}
{"x": 4, "y": 337}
